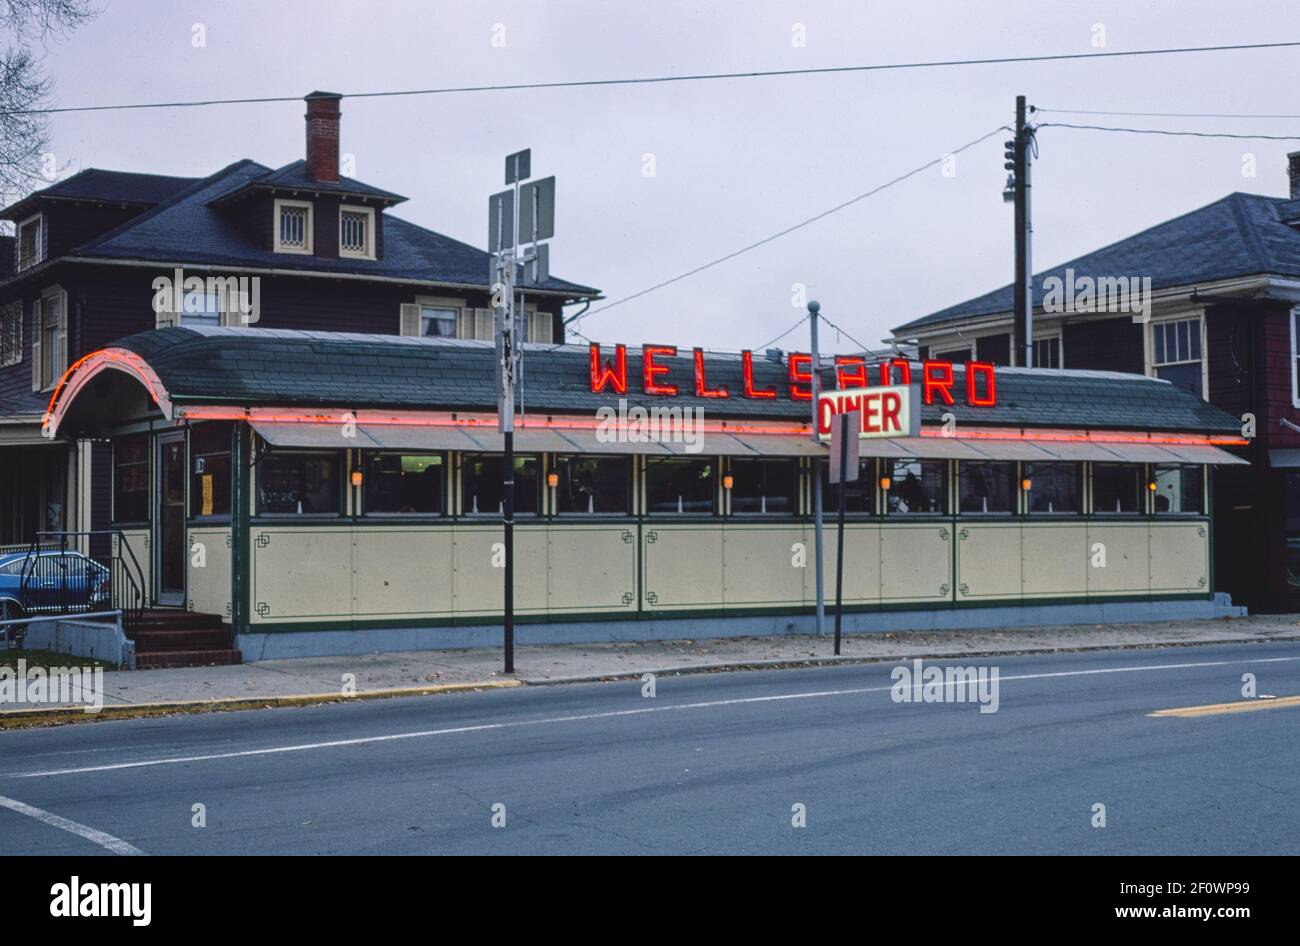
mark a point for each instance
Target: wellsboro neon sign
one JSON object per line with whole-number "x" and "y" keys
{"x": 936, "y": 377}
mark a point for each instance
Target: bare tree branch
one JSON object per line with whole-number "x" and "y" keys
{"x": 24, "y": 137}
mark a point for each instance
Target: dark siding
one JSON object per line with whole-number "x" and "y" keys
{"x": 1106, "y": 345}
{"x": 994, "y": 348}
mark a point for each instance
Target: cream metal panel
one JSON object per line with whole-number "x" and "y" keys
{"x": 591, "y": 441}
{"x": 480, "y": 584}
{"x": 298, "y": 574}
{"x": 402, "y": 571}
{"x": 916, "y": 562}
{"x": 682, "y": 566}
{"x": 591, "y": 567}
{"x": 140, "y": 542}
{"x": 1196, "y": 453}
{"x": 988, "y": 560}
{"x": 861, "y": 563}
{"x": 1180, "y": 557}
{"x": 760, "y": 565}
{"x": 208, "y": 562}
{"x": 1127, "y": 557}
{"x": 1054, "y": 560}
{"x": 313, "y": 436}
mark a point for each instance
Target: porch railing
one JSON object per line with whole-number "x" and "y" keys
{"x": 83, "y": 572}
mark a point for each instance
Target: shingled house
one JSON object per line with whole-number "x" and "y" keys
{"x": 1225, "y": 283}
{"x": 105, "y": 254}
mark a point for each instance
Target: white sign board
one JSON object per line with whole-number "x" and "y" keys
{"x": 887, "y": 411}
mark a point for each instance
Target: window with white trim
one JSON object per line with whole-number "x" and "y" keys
{"x": 293, "y": 226}
{"x": 356, "y": 232}
{"x": 1047, "y": 352}
{"x": 29, "y": 245}
{"x": 1176, "y": 353}
{"x": 538, "y": 327}
{"x": 11, "y": 334}
{"x": 50, "y": 339}
{"x": 1295, "y": 357}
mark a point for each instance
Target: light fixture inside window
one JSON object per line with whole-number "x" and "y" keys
{"x": 552, "y": 479}
{"x": 884, "y": 483}
{"x": 1027, "y": 484}
{"x": 356, "y": 477}
{"x": 727, "y": 481}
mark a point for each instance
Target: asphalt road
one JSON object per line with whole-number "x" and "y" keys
{"x": 711, "y": 764}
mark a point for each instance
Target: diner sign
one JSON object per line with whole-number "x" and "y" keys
{"x": 937, "y": 381}
{"x": 893, "y": 411}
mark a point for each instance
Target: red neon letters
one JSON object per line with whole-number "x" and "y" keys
{"x": 937, "y": 377}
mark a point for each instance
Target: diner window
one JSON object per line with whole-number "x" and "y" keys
{"x": 1047, "y": 352}
{"x": 680, "y": 486}
{"x": 859, "y": 494}
{"x": 986, "y": 487}
{"x": 301, "y": 483}
{"x": 210, "y": 458}
{"x": 482, "y": 490}
{"x": 957, "y": 355}
{"x": 1116, "y": 488}
{"x": 537, "y": 327}
{"x": 590, "y": 485}
{"x": 403, "y": 483}
{"x": 11, "y": 334}
{"x": 1176, "y": 353}
{"x": 1054, "y": 488}
{"x": 293, "y": 226}
{"x": 764, "y": 486}
{"x": 356, "y": 232}
{"x": 1180, "y": 490}
{"x": 131, "y": 478}
{"x": 30, "y": 246}
{"x": 916, "y": 487}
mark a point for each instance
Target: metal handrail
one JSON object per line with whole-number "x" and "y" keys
{"x": 121, "y": 562}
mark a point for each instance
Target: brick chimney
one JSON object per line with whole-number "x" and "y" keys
{"x": 1293, "y": 172}
{"x": 323, "y": 135}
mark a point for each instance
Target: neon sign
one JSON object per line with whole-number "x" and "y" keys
{"x": 937, "y": 378}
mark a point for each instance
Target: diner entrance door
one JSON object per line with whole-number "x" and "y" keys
{"x": 169, "y": 520}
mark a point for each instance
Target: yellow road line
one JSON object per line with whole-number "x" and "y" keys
{"x": 1219, "y": 709}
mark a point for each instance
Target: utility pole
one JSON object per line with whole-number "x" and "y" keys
{"x": 1019, "y": 164}
{"x": 813, "y": 308}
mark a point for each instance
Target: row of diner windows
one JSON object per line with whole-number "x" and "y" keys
{"x": 294, "y": 483}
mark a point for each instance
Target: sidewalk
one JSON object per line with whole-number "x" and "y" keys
{"x": 322, "y": 679}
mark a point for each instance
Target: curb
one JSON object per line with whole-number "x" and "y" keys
{"x": 55, "y": 715}
{"x": 796, "y": 663}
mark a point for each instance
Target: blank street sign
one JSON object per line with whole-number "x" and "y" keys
{"x": 840, "y": 443}
{"x": 501, "y": 221}
{"x": 519, "y": 166}
{"x": 539, "y": 270}
{"x": 537, "y": 202}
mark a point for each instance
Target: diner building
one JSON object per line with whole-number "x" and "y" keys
{"x": 323, "y": 492}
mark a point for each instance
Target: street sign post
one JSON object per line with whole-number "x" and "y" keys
{"x": 843, "y": 470}
{"x": 523, "y": 212}
{"x": 846, "y": 417}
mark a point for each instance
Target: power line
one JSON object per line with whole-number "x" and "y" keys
{"x": 865, "y": 348}
{"x": 780, "y": 233}
{"x": 652, "y": 80}
{"x": 1161, "y": 131}
{"x": 801, "y": 320}
{"x": 1083, "y": 111}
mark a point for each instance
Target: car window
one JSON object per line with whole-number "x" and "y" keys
{"x": 12, "y": 568}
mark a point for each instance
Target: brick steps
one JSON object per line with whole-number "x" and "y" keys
{"x": 175, "y": 638}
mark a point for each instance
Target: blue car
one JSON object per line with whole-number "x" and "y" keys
{"x": 51, "y": 582}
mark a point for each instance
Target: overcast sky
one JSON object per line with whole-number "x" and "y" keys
{"x": 733, "y": 160}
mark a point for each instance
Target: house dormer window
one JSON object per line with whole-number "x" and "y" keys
{"x": 357, "y": 232}
{"x": 293, "y": 226}
{"x": 30, "y": 245}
